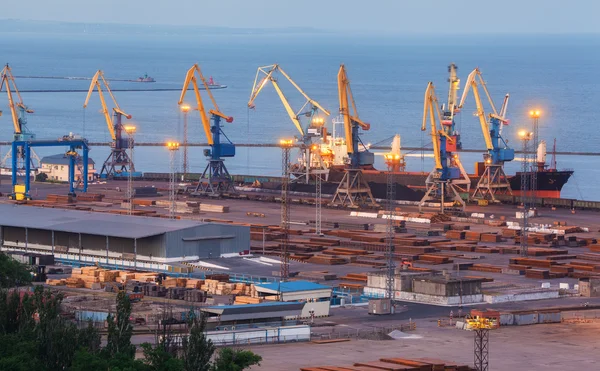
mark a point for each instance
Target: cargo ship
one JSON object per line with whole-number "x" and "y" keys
{"x": 410, "y": 186}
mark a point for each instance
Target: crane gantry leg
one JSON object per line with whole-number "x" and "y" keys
{"x": 353, "y": 190}
{"x": 493, "y": 182}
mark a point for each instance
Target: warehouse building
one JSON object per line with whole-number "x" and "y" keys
{"x": 109, "y": 236}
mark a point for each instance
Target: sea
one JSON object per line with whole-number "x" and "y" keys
{"x": 557, "y": 74}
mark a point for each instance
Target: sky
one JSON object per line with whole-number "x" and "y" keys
{"x": 374, "y": 16}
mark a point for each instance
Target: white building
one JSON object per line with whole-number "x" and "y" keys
{"x": 57, "y": 168}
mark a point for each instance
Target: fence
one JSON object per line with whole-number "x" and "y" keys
{"x": 364, "y": 333}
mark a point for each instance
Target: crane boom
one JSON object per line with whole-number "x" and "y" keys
{"x": 349, "y": 113}
{"x": 96, "y": 83}
{"x": 259, "y": 84}
{"x": 7, "y": 79}
{"x": 431, "y": 110}
{"x": 190, "y": 77}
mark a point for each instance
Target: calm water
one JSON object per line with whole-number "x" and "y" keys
{"x": 557, "y": 74}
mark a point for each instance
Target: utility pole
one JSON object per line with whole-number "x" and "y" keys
{"x": 173, "y": 147}
{"x": 286, "y": 146}
{"x": 185, "y": 109}
{"x": 535, "y": 116}
{"x": 392, "y": 161}
{"x": 130, "y": 130}
{"x": 318, "y": 203}
{"x": 525, "y": 137}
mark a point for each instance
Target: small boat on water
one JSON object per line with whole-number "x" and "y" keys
{"x": 145, "y": 78}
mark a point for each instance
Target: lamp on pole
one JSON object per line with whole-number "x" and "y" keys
{"x": 286, "y": 145}
{"x": 535, "y": 116}
{"x": 173, "y": 147}
{"x": 525, "y": 137}
{"x": 185, "y": 109}
{"x": 392, "y": 161}
{"x": 130, "y": 130}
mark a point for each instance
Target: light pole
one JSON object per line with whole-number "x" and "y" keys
{"x": 535, "y": 116}
{"x": 525, "y": 137}
{"x": 130, "y": 130}
{"x": 392, "y": 161}
{"x": 173, "y": 147}
{"x": 185, "y": 109}
{"x": 286, "y": 146}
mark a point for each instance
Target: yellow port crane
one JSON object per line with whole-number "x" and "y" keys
{"x": 353, "y": 188}
{"x": 493, "y": 180}
{"x": 312, "y": 159}
{"x": 444, "y": 179}
{"x": 19, "y": 112}
{"x": 215, "y": 179}
{"x": 118, "y": 162}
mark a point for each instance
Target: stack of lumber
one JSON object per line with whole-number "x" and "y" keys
{"x": 59, "y": 199}
{"x": 537, "y": 273}
{"x": 193, "y": 283}
{"x": 491, "y": 237}
{"x": 196, "y": 296}
{"x": 486, "y": 268}
{"x": 473, "y": 236}
{"x": 212, "y": 208}
{"x": 434, "y": 259}
{"x": 510, "y": 233}
{"x": 90, "y": 197}
{"x": 326, "y": 260}
{"x": 142, "y": 202}
{"x": 74, "y": 282}
{"x": 246, "y": 300}
{"x": 390, "y": 364}
{"x": 359, "y": 277}
{"x": 456, "y": 235}
{"x": 532, "y": 262}
{"x": 52, "y": 282}
{"x": 318, "y": 276}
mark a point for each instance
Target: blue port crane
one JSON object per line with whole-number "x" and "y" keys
{"x": 353, "y": 189}
{"x": 493, "y": 181}
{"x": 118, "y": 163}
{"x": 215, "y": 179}
{"x": 445, "y": 179}
{"x": 19, "y": 112}
{"x": 313, "y": 129}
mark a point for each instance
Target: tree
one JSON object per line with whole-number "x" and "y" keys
{"x": 13, "y": 273}
{"x": 197, "y": 349}
{"x": 41, "y": 177}
{"x": 119, "y": 329}
{"x": 159, "y": 359}
{"x": 230, "y": 359}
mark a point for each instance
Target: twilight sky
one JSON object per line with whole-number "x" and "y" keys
{"x": 377, "y": 16}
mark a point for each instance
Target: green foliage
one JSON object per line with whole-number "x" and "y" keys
{"x": 13, "y": 273}
{"x": 41, "y": 177}
{"x": 197, "y": 349}
{"x": 229, "y": 359}
{"x": 119, "y": 329}
{"x": 159, "y": 359}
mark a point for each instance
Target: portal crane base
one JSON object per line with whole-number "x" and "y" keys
{"x": 215, "y": 179}
{"x": 442, "y": 191}
{"x": 35, "y": 159}
{"x": 493, "y": 182}
{"x": 117, "y": 162}
{"x": 353, "y": 191}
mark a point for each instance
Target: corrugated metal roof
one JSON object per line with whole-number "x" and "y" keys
{"x": 267, "y": 307}
{"x": 293, "y": 286}
{"x": 101, "y": 224}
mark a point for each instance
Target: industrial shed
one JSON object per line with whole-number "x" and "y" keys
{"x": 117, "y": 236}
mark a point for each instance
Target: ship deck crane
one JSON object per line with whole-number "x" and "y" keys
{"x": 215, "y": 179}
{"x": 353, "y": 188}
{"x": 312, "y": 160}
{"x": 445, "y": 179}
{"x": 494, "y": 180}
{"x": 19, "y": 112}
{"x": 118, "y": 162}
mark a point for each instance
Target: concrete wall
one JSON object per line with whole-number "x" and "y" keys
{"x": 451, "y": 288}
{"x": 227, "y": 239}
{"x": 402, "y": 281}
{"x": 589, "y": 287}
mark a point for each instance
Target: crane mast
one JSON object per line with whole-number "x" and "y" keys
{"x": 215, "y": 180}
{"x": 313, "y": 129}
{"x": 493, "y": 179}
{"x": 19, "y": 112}
{"x": 353, "y": 189}
{"x": 445, "y": 178}
{"x": 118, "y": 163}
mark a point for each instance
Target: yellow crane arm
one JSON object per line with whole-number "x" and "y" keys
{"x": 190, "y": 77}
{"x": 345, "y": 97}
{"x": 482, "y": 121}
{"x": 430, "y": 110}
{"x": 268, "y": 71}
{"x": 473, "y": 85}
{"x": 96, "y": 83}
{"x": 7, "y": 79}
